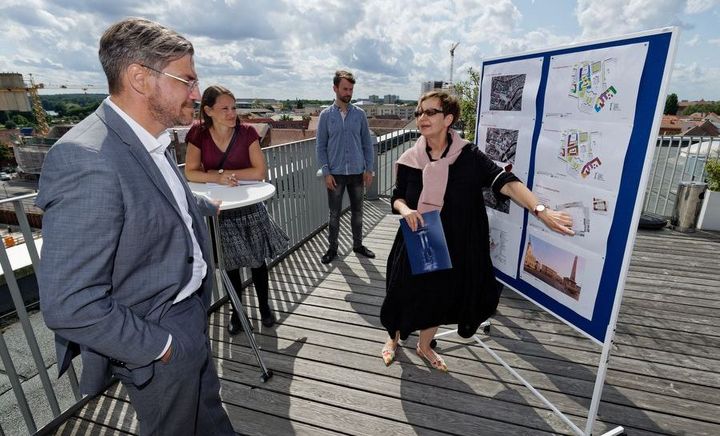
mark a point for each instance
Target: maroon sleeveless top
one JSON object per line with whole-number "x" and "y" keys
{"x": 211, "y": 155}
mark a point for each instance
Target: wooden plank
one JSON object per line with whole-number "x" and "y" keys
{"x": 78, "y": 426}
{"x": 367, "y": 295}
{"x": 247, "y": 421}
{"x": 343, "y": 409}
{"x": 353, "y": 309}
{"x": 676, "y": 285}
{"x": 347, "y": 334}
{"x": 297, "y": 399}
{"x": 309, "y": 360}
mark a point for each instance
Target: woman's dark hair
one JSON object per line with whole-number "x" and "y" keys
{"x": 449, "y": 103}
{"x": 209, "y": 98}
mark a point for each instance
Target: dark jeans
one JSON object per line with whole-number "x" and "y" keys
{"x": 354, "y": 185}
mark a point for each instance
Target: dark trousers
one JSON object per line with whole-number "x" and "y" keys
{"x": 354, "y": 185}
{"x": 260, "y": 281}
{"x": 183, "y": 396}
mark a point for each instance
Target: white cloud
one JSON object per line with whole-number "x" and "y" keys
{"x": 691, "y": 81}
{"x": 605, "y": 18}
{"x": 715, "y": 41}
{"x": 692, "y": 42}
{"x": 290, "y": 48}
{"x": 535, "y": 39}
{"x": 699, "y": 6}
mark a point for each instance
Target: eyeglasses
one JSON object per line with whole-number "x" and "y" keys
{"x": 191, "y": 84}
{"x": 428, "y": 112}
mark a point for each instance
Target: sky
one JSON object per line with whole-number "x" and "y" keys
{"x": 289, "y": 49}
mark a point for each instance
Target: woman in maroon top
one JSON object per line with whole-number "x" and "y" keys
{"x": 248, "y": 235}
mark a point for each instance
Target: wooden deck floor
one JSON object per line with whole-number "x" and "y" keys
{"x": 664, "y": 375}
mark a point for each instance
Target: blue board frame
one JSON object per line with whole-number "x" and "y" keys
{"x": 621, "y": 231}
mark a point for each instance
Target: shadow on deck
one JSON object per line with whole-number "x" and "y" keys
{"x": 664, "y": 375}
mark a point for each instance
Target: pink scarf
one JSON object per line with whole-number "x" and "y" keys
{"x": 435, "y": 174}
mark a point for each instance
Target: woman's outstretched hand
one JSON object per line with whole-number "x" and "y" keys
{"x": 557, "y": 221}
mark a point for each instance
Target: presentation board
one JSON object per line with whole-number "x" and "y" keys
{"x": 578, "y": 125}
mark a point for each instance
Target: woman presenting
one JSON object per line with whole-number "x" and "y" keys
{"x": 444, "y": 172}
{"x": 222, "y": 150}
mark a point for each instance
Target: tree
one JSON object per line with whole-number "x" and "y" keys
{"x": 467, "y": 93}
{"x": 9, "y": 124}
{"x": 703, "y": 108}
{"x": 20, "y": 120}
{"x": 5, "y": 153}
{"x": 671, "y": 104}
{"x": 299, "y": 104}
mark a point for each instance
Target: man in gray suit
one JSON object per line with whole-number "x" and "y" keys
{"x": 125, "y": 275}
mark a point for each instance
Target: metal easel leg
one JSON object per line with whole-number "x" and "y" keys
{"x": 485, "y": 326}
{"x": 247, "y": 328}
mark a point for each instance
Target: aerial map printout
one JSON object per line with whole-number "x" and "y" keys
{"x": 508, "y": 113}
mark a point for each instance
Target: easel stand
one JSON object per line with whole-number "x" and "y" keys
{"x": 237, "y": 304}
{"x": 597, "y": 391}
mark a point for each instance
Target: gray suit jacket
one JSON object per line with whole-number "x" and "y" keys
{"x": 115, "y": 250}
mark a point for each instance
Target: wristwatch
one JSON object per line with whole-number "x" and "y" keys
{"x": 538, "y": 209}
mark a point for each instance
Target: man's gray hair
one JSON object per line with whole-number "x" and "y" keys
{"x": 139, "y": 41}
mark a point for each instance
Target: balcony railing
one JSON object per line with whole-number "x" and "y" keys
{"x": 34, "y": 399}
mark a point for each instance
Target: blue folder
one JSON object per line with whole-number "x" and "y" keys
{"x": 426, "y": 247}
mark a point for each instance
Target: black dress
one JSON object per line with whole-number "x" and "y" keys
{"x": 467, "y": 294}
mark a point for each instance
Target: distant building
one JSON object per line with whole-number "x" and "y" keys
{"x": 432, "y": 86}
{"x": 670, "y": 125}
{"x": 374, "y": 99}
{"x": 381, "y": 110}
{"x": 30, "y": 152}
{"x": 390, "y": 99}
{"x": 704, "y": 128}
{"x": 13, "y": 93}
{"x": 405, "y": 111}
{"x": 273, "y": 132}
{"x": 697, "y": 124}
{"x": 382, "y": 125}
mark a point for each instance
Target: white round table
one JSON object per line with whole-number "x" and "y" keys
{"x": 233, "y": 197}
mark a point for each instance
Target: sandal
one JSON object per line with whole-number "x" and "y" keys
{"x": 388, "y": 353}
{"x": 433, "y": 359}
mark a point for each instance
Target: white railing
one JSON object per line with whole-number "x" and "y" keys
{"x": 39, "y": 400}
{"x": 676, "y": 159}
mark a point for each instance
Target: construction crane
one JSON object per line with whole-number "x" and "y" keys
{"x": 32, "y": 88}
{"x": 42, "y": 125}
{"x": 452, "y": 60}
